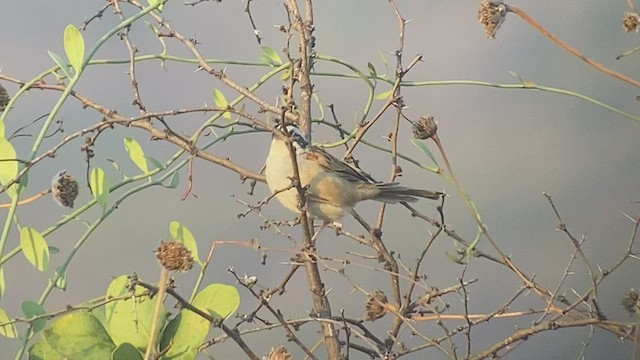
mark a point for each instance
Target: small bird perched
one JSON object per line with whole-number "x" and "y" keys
{"x": 333, "y": 187}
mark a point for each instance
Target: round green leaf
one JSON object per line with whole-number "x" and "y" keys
{"x": 187, "y": 330}
{"x": 219, "y": 300}
{"x": 129, "y": 321}
{"x": 31, "y": 309}
{"x": 35, "y": 248}
{"x": 183, "y": 335}
{"x": 79, "y": 335}
{"x": 74, "y": 46}
{"x": 42, "y": 351}
{"x": 126, "y": 351}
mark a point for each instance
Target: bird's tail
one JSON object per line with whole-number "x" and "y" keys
{"x": 394, "y": 193}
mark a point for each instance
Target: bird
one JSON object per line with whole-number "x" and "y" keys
{"x": 332, "y": 187}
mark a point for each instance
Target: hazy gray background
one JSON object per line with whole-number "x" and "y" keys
{"x": 506, "y": 146}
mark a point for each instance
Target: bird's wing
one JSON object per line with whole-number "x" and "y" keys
{"x": 335, "y": 165}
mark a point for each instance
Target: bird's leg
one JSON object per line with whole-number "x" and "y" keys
{"x": 317, "y": 233}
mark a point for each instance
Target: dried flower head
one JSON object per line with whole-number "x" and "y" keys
{"x": 64, "y": 188}
{"x": 491, "y": 15}
{"x": 174, "y": 255}
{"x": 631, "y": 302}
{"x": 424, "y": 128}
{"x": 375, "y": 308}
{"x": 4, "y": 98}
{"x": 631, "y": 22}
{"x": 280, "y": 353}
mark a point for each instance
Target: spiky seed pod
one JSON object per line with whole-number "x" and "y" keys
{"x": 279, "y": 353}
{"x": 631, "y": 22}
{"x": 375, "y": 308}
{"x": 491, "y": 15}
{"x": 174, "y": 256}
{"x": 64, "y": 188}
{"x": 424, "y": 128}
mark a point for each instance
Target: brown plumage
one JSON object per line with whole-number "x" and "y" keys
{"x": 333, "y": 186}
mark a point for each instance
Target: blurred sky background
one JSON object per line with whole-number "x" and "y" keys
{"x": 507, "y": 147}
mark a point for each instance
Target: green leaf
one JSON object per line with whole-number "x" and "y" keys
{"x": 42, "y": 351}
{"x": 79, "y": 335}
{"x": 384, "y": 95}
{"x": 182, "y": 234}
{"x": 53, "y": 250}
{"x": 286, "y": 75}
{"x": 115, "y": 165}
{"x": 64, "y": 66}
{"x": 270, "y": 57}
{"x": 422, "y": 145}
{"x": 155, "y": 162}
{"x": 187, "y": 330}
{"x": 454, "y": 258}
{"x": 100, "y": 187}
{"x": 126, "y": 351}
{"x": 129, "y": 321}
{"x": 32, "y": 309}
{"x": 74, "y": 47}
{"x": 35, "y": 248}
{"x": 372, "y": 70}
{"x": 8, "y": 169}
{"x": 10, "y": 330}
{"x": 173, "y": 182}
{"x": 219, "y": 300}
{"x": 183, "y": 336}
{"x": 221, "y": 102}
{"x": 136, "y": 153}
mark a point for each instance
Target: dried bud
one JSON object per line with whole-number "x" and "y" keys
{"x": 631, "y": 21}
{"x": 631, "y": 302}
{"x": 279, "y": 353}
{"x": 174, "y": 256}
{"x": 491, "y": 15}
{"x": 4, "y": 98}
{"x": 375, "y": 308}
{"x": 64, "y": 188}
{"x": 424, "y": 128}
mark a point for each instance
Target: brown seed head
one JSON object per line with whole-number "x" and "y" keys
{"x": 375, "y": 310}
{"x": 424, "y": 128}
{"x": 491, "y": 15}
{"x": 174, "y": 256}
{"x": 64, "y": 188}
{"x": 280, "y": 353}
{"x": 4, "y": 98}
{"x": 631, "y": 22}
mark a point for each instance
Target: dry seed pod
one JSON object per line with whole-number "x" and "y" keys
{"x": 491, "y": 15}
{"x": 279, "y": 353}
{"x": 64, "y": 188}
{"x": 174, "y": 256}
{"x": 4, "y": 98}
{"x": 631, "y": 22}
